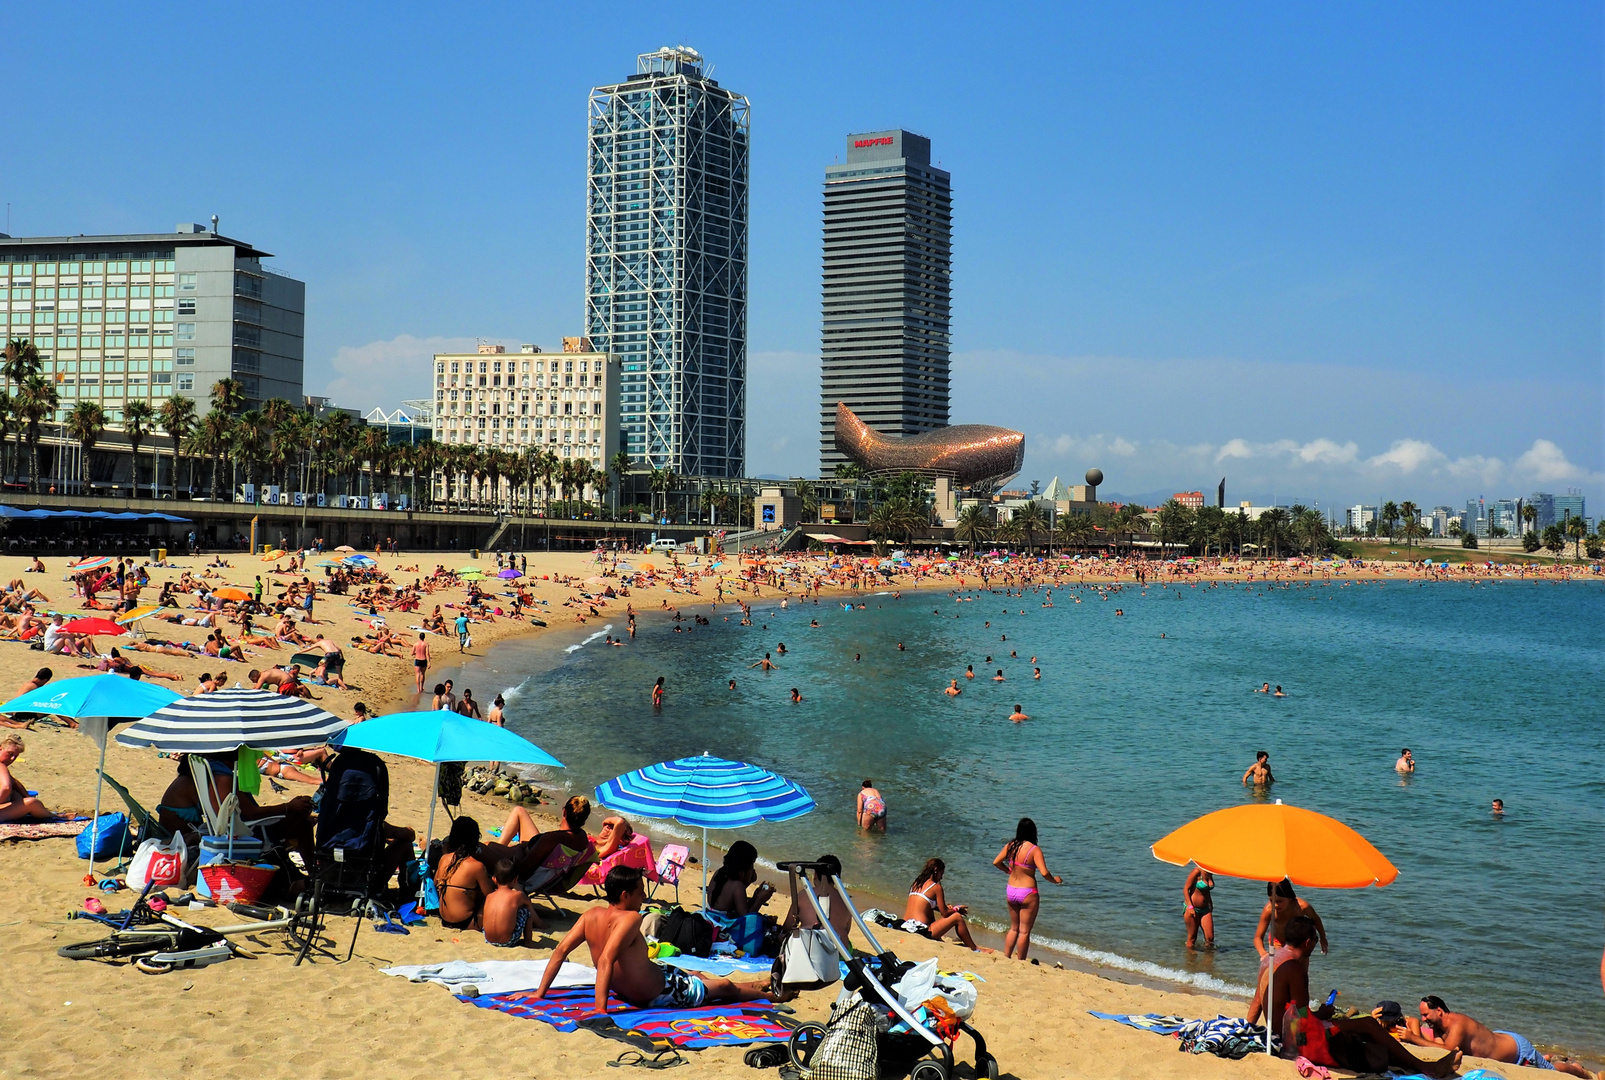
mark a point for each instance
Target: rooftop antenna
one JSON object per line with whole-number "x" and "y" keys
{"x": 214, "y": 223}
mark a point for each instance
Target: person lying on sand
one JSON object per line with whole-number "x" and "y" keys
{"x": 15, "y": 802}
{"x": 1361, "y": 1044}
{"x": 613, "y": 934}
{"x": 1440, "y": 1027}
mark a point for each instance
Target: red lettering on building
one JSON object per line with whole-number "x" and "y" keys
{"x": 883, "y": 141}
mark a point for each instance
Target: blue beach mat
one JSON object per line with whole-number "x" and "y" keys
{"x": 1155, "y": 1022}
{"x": 655, "y": 1029}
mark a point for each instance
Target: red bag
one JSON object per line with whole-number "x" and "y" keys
{"x": 1304, "y": 1035}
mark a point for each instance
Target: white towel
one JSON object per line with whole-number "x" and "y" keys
{"x": 493, "y": 976}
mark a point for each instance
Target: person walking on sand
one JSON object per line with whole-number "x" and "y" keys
{"x": 1200, "y": 911}
{"x": 420, "y": 662}
{"x": 870, "y": 808}
{"x": 1021, "y": 858}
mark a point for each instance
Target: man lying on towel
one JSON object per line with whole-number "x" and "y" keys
{"x": 619, "y": 952}
{"x": 1441, "y": 1027}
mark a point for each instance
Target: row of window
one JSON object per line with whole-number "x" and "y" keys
{"x": 523, "y": 395}
{"x": 125, "y": 266}
{"x": 20, "y": 317}
{"x": 495, "y": 423}
{"x": 56, "y": 367}
{"x": 523, "y": 410}
{"x": 103, "y": 341}
{"x": 495, "y": 366}
{"x": 593, "y": 452}
{"x": 496, "y": 380}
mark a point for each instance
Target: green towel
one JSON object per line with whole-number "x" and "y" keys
{"x": 246, "y": 778}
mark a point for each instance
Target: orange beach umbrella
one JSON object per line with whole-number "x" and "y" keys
{"x": 1273, "y": 841}
{"x": 231, "y": 592}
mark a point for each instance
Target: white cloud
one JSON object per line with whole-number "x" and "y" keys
{"x": 1408, "y": 455}
{"x": 1327, "y": 452}
{"x": 385, "y": 373}
{"x": 1235, "y": 448}
{"x": 1546, "y": 463}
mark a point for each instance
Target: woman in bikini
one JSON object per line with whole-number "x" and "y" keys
{"x": 545, "y": 858}
{"x": 1022, "y": 860}
{"x": 927, "y": 912}
{"x": 1200, "y": 913}
{"x": 462, "y": 880}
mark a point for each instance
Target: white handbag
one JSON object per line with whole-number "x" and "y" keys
{"x": 809, "y": 959}
{"x": 159, "y": 864}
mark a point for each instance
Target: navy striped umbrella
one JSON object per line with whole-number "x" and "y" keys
{"x": 225, "y": 720}
{"x": 706, "y": 792}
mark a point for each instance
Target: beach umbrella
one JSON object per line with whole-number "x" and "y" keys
{"x": 90, "y": 564}
{"x": 360, "y": 560}
{"x": 93, "y": 626}
{"x": 1272, "y": 842}
{"x": 345, "y": 547}
{"x": 94, "y": 701}
{"x": 143, "y": 612}
{"x": 707, "y": 793}
{"x": 225, "y": 720}
{"x": 509, "y": 573}
{"x": 231, "y": 592}
{"x": 440, "y": 736}
{"x": 328, "y": 562}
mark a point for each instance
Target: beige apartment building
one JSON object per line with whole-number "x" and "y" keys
{"x": 566, "y": 403}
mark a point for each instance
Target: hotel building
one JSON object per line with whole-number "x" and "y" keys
{"x": 887, "y": 282}
{"x": 566, "y": 403}
{"x": 666, "y": 260}
{"x": 145, "y": 316}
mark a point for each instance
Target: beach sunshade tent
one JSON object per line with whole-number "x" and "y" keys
{"x": 707, "y": 793}
{"x": 440, "y": 736}
{"x": 93, "y": 626}
{"x": 94, "y": 701}
{"x": 1273, "y": 841}
{"x": 225, "y": 720}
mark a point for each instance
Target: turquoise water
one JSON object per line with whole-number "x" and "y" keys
{"x": 1496, "y": 688}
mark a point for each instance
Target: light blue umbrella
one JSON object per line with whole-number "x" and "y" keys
{"x": 93, "y": 700}
{"x": 706, "y": 792}
{"x": 440, "y": 736}
{"x": 360, "y": 560}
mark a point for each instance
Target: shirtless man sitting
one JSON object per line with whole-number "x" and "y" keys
{"x": 619, "y": 952}
{"x": 1361, "y": 1043}
{"x": 1457, "y": 1031}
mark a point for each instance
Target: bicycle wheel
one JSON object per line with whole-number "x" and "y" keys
{"x": 119, "y": 945}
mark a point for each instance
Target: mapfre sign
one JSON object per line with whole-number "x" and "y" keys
{"x": 884, "y": 140}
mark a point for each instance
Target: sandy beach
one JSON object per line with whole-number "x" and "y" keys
{"x": 268, "y": 1018}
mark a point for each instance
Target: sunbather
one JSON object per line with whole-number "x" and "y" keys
{"x": 461, "y": 878}
{"x": 509, "y": 917}
{"x": 613, "y": 934}
{"x": 727, "y": 892}
{"x": 927, "y": 911}
{"x": 15, "y": 802}
{"x": 1361, "y": 1043}
{"x": 550, "y": 857}
{"x": 180, "y": 806}
{"x": 615, "y": 834}
{"x": 1443, "y": 1028}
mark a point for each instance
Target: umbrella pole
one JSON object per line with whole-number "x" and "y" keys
{"x": 1270, "y": 982}
{"x": 434, "y": 797}
{"x": 704, "y": 868}
{"x": 94, "y": 822}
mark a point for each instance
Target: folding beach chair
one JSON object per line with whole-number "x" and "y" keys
{"x": 338, "y": 875}
{"x": 636, "y": 853}
{"x": 224, "y": 820}
{"x": 143, "y": 818}
{"x": 671, "y": 864}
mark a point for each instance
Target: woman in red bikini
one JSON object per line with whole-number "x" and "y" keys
{"x": 1022, "y": 860}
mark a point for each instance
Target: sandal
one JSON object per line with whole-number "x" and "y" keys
{"x": 767, "y": 1057}
{"x": 656, "y": 1061}
{"x": 93, "y": 905}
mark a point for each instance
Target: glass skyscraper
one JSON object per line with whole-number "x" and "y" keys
{"x": 666, "y": 261}
{"x": 887, "y": 267}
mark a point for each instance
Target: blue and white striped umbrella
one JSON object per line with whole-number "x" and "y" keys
{"x": 223, "y": 721}
{"x": 706, "y": 792}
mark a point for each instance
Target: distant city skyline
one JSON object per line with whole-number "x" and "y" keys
{"x": 1343, "y": 252}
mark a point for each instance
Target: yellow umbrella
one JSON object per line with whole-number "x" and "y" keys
{"x": 1273, "y": 841}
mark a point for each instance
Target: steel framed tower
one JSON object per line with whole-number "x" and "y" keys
{"x": 887, "y": 284}
{"x": 666, "y": 260}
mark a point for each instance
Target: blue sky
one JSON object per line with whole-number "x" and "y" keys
{"x": 1332, "y": 252}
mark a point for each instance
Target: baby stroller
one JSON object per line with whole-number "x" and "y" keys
{"x": 914, "y": 1042}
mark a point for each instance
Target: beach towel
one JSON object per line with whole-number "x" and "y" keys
{"x": 1157, "y": 1023}
{"x": 647, "y": 1029}
{"x": 493, "y": 976}
{"x": 1225, "y": 1036}
{"x": 41, "y": 830}
{"x": 720, "y": 965}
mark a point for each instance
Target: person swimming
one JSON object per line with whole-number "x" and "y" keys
{"x": 953, "y": 689}
{"x": 1018, "y": 714}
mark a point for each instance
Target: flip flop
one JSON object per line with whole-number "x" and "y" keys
{"x": 767, "y": 1057}
{"x": 93, "y": 905}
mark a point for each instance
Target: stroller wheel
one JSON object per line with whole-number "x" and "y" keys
{"x": 929, "y": 1070}
{"x": 987, "y": 1066}
{"x": 804, "y": 1044}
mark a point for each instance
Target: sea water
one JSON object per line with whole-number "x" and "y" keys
{"x": 1140, "y": 722}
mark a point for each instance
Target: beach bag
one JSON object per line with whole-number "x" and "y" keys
{"x": 109, "y": 834}
{"x": 807, "y": 958}
{"x": 687, "y": 931}
{"x": 847, "y": 1050}
{"x": 158, "y": 864}
{"x": 1304, "y": 1035}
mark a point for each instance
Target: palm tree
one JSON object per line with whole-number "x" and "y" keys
{"x": 8, "y": 425}
{"x": 881, "y": 525}
{"x": 177, "y": 418}
{"x": 248, "y": 441}
{"x": 1577, "y": 529}
{"x": 1031, "y": 520}
{"x": 371, "y": 446}
{"x": 620, "y": 465}
{"x": 1555, "y": 540}
{"x": 229, "y": 395}
{"x": 1309, "y": 530}
{"x": 601, "y": 480}
{"x": 1172, "y": 522}
{"x": 137, "y": 415}
{"x": 810, "y": 500}
{"x": 974, "y": 523}
{"x": 1075, "y": 530}
{"x": 21, "y": 362}
{"x": 1130, "y": 519}
{"x": 1207, "y": 528}
{"x": 36, "y": 404}
{"x": 85, "y": 423}
{"x": 1010, "y": 531}
{"x": 1411, "y": 513}
{"x": 210, "y": 439}
{"x": 1273, "y": 530}
{"x": 1390, "y": 514}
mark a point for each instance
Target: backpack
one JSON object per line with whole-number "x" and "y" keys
{"x": 687, "y": 931}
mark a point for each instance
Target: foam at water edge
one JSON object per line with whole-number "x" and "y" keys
{"x": 1196, "y": 980}
{"x": 599, "y": 634}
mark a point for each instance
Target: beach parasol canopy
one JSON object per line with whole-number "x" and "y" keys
{"x": 708, "y": 793}
{"x": 94, "y": 701}
{"x": 360, "y": 560}
{"x": 90, "y": 564}
{"x": 345, "y": 547}
{"x": 231, "y": 592}
{"x": 225, "y": 720}
{"x": 439, "y": 736}
{"x": 508, "y": 573}
{"x": 1272, "y": 842}
{"x": 93, "y": 626}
